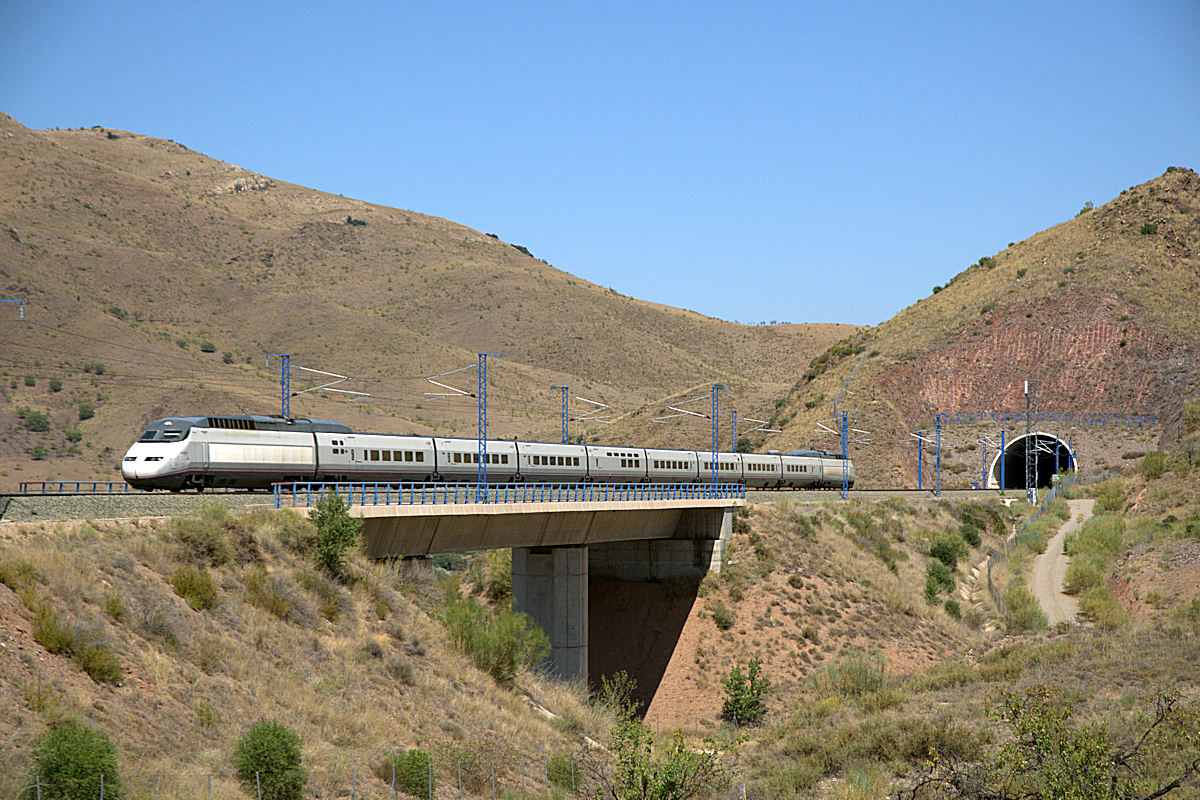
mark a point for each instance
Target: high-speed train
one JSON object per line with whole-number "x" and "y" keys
{"x": 254, "y": 452}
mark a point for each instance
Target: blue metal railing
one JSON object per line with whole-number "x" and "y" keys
{"x": 1064, "y": 417}
{"x": 304, "y": 495}
{"x": 96, "y": 487}
{"x": 63, "y": 487}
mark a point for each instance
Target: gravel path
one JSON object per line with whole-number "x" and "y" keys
{"x": 1050, "y": 568}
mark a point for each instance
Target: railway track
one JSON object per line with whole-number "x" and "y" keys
{"x": 75, "y": 505}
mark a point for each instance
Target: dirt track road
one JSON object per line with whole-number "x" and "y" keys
{"x": 1050, "y": 568}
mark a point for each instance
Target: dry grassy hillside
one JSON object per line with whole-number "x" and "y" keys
{"x": 1098, "y": 312}
{"x": 868, "y": 675}
{"x": 178, "y": 274}
{"x": 359, "y": 671}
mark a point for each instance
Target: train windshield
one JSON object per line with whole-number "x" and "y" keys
{"x": 166, "y": 430}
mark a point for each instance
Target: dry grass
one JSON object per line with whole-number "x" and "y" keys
{"x": 355, "y": 687}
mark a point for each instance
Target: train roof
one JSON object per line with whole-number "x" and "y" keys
{"x": 814, "y": 454}
{"x": 257, "y": 422}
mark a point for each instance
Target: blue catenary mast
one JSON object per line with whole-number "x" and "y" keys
{"x": 284, "y": 382}
{"x": 563, "y": 389}
{"x": 482, "y": 395}
{"x": 716, "y": 430}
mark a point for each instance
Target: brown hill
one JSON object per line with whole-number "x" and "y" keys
{"x": 1097, "y": 312}
{"x": 178, "y": 274}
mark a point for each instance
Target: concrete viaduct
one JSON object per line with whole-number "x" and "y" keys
{"x": 562, "y": 547}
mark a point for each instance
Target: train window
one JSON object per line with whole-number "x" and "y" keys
{"x": 387, "y": 455}
{"x": 408, "y": 455}
{"x": 374, "y": 455}
{"x": 504, "y": 458}
{"x": 457, "y": 458}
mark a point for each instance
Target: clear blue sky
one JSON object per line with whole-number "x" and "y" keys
{"x": 810, "y": 162}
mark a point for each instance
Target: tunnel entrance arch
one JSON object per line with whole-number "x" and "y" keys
{"x": 1010, "y": 464}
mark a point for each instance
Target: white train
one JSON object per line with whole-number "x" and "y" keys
{"x": 254, "y": 452}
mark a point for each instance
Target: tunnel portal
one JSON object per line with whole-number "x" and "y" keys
{"x": 1009, "y": 466}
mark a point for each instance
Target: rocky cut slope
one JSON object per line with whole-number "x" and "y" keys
{"x": 1098, "y": 313}
{"x": 157, "y": 279}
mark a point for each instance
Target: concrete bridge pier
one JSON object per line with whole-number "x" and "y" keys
{"x": 551, "y": 585}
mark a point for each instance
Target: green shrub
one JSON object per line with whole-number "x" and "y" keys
{"x": 69, "y": 760}
{"x": 746, "y": 694}
{"x": 970, "y": 533}
{"x": 413, "y": 772}
{"x": 207, "y": 347}
{"x": 722, "y": 615}
{"x": 196, "y": 586}
{"x": 18, "y": 575}
{"x": 853, "y": 675}
{"x": 947, "y": 548}
{"x": 269, "y": 755}
{"x": 1110, "y": 495}
{"x": 1082, "y": 575}
{"x": 942, "y": 676}
{"x": 1153, "y": 465}
{"x": 99, "y": 662}
{"x": 30, "y": 380}
{"x": 48, "y": 630}
{"x": 55, "y": 385}
{"x": 500, "y": 643}
{"x": 1149, "y": 228}
{"x": 1098, "y": 604}
{"x": 74, "y": 435}
{"x": 561, "y": 771}
{"x": 337, "y": 534}
{"x": 266, "y": 592}
{"x": 86, "y": 411}
{"x": 938, "y": 579}
{"x": 203, "y": 535}
{"x": 37, "y": 421}
{"x": 952, "y": 608}
{"x": 490, "y": 575}
{"x": 1024, "y": 612}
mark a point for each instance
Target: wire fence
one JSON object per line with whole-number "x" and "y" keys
{"x": 558, "y": 778}
{"x": 304, "y": 495}
{"x": 1001, "y": 553}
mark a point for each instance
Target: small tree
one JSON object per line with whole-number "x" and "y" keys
{"x": 678, "y": 773}
{"x": 1049, "y": 757}
{"x": 745, "y": 694}
{"x": 268, "y": 756}
{"x": 337, "y": 534}
{"x": 69, "y": 761}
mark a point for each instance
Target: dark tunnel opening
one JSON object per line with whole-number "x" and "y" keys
{"x": 1046, "y": 449}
